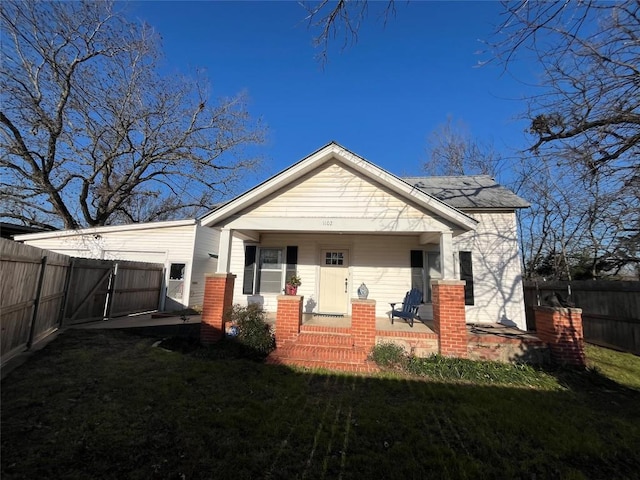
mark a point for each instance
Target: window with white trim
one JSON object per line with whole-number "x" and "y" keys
{"x": 266, "y": 268}
{"x": 270, "y": 271}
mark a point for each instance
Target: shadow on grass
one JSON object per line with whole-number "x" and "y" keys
{"x": 106, "y": 404}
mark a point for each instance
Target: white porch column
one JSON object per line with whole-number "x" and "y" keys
{"x": 446, "y": 256}
{"x": 224, "y": 251}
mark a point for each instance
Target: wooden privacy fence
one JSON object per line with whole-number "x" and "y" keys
{"x": 43, "y": 290}
{"x": 610, "y": 310}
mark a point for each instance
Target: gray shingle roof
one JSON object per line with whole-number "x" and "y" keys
{"x": 468, "y": 191}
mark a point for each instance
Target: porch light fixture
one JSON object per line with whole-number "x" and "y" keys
{"x": 213, "y": 255}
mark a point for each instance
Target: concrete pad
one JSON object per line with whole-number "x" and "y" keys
{"x": 138, "y": 321}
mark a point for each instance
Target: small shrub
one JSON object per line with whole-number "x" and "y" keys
{"x": 253, "y": 331}
{"x": 389, "y": 355}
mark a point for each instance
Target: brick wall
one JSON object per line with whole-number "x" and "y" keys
{"x": 288, "y": 318}
{"x": 508, "y": 350}
{"x": 363, "y": 322}
{"x": 449, "y": 317}
{"x": 218, "y": 299}
{"x": 419, "y": 344}
{"x": 561, "y": 328}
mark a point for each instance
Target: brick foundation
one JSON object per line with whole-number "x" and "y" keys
{"x": 508, "y": 350}
{"x": 218, "y": 299}
{"x": 288, "y": 318}
{"x": 449, "y": 317}
{"x": 419, "y": 344}
{"x": 363, "y": 323}
{"x": 561, "y": 328}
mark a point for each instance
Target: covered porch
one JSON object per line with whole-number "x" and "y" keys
{"x": 333, "y": 266}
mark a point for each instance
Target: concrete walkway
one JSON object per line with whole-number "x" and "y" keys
{"x": 139, "y": 321}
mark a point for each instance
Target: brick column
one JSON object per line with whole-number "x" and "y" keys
{"x": 561, "y": 328}
{"x": 218, "y": 299}
{"x": 288, "y": 318}
{"x": 449, "y": 317}
{"x": 363, "y": 323}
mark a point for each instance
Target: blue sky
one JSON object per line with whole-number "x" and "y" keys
{"x": 380, "y": 98}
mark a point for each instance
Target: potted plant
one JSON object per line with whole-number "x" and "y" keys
{"x": 291, "y": 287}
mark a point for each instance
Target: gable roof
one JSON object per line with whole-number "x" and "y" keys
{"x": 335, "y": 152}
{"x": 468, "y": 191}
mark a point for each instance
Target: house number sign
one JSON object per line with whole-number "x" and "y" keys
{"x": 327, "y": 223}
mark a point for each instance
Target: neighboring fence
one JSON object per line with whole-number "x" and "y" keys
{"x": 42, "y": 290}
{"x": 610, "y": 310}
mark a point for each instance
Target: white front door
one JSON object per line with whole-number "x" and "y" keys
{"x": 334, "y": 281}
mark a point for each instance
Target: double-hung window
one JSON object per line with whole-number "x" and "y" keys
{"x": 266, "y": 268}
{"x": 270, "y": 270}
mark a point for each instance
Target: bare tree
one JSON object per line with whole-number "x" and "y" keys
{"x": 586, "y": 116}
{"x": 92, "y": 134}
{"x": 581, "y": 171}
{"x": 451, "y": 150}
{"x": 342, "y": 18}
{"x": 589, "y": 108}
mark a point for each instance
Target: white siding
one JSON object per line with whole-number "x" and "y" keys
{"x": 380, "y": 228}
{"x": 158, "y": 245}
{"x": 334, "y": 191}
{"x": 382, "y": 262}
{"x": 207, "y": 240}
{"x": 497, "y": 272}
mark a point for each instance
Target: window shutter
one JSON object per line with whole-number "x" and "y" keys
{"x": 417, "y": 270}
{"x": 292, "y": 261}
{"x": 292, "y": 257}
{"x": 249, "y": 269}
{"x": 466, "y": 273}
{"x": 417, "y": 259}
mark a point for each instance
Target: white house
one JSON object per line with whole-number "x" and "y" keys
{"x": 186, "y": 249}
{"x": 339, "y": 221}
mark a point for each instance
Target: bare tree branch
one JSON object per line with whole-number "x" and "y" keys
{"x": 92, "y": 131}
{"x": 339, "y": 18}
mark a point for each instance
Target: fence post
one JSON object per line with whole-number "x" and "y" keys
{"x": 36, "y": 303}
{"x": 65, "y": 298}
{"x": 110, "y": 292}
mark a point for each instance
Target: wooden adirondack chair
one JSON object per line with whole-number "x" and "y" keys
{"x": 409, "y": 310}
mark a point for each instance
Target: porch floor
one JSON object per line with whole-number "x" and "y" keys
{"x": 382, "y": 323}
{"x": 485, "y": 330}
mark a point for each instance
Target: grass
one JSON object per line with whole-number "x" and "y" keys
{"x": 624, "y": 368}
{"x": 108, "y": 405}
{"x": 392, "y": 357}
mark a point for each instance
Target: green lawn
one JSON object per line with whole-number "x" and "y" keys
{"x": 624, "y": 368}
{"x": 108, "y": 405}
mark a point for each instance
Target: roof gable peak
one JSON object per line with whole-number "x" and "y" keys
{"x": 335, "y": 151}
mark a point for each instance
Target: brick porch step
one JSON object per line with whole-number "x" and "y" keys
{"x": 325, "y": 339}
{"x": 327, "y": 348}
{"x": 350, "y": 360}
